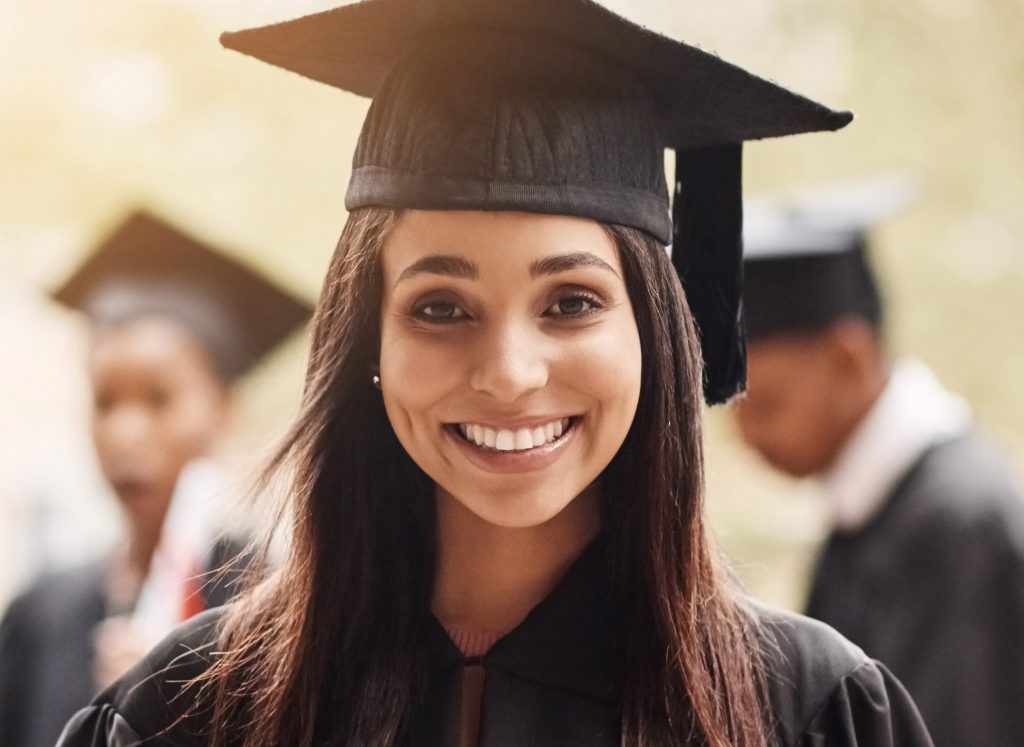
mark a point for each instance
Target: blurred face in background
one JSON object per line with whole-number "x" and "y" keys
{"x": 158, "y": 403}
{"x": 807, "y": 392}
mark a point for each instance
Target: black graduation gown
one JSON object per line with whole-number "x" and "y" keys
{"x": 46, "y": 648}
{"x": 551, "y": 682}
{"x": 934, "y": 587}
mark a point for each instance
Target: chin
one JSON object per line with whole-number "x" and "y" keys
{"x": 515, "y": 510}
{"x": 793, "y": 467}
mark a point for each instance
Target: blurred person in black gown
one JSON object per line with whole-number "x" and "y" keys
{"x": 174, "y": 326}
{"x": 924, "y": 566}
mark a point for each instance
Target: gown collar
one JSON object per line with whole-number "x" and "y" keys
{"x": 572, "y": 640}
{"x": 914, "y": 413}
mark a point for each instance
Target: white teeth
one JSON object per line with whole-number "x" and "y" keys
{"x": 522, "y": 439}
{"x": 505, "y": 441}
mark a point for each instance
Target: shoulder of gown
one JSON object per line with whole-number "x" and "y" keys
{"x": 964, "y": 487}
{"x": 156, "y": 699}
{"x": 50, "y": 595}
{"x": 825, "y": 692}
{"x": 45, "y": 652}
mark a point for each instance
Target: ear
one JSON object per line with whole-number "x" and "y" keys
{"x": 856, "y": 353}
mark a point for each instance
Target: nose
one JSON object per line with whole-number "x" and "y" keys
{"x": 125, "y": 429}
{"x": 510, "y": 362}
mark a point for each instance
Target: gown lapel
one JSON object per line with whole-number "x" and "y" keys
{"x": 553, "y": 680}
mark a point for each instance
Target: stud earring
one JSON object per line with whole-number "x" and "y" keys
{"x": 376, "y": 381}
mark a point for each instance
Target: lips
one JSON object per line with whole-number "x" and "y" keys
{"x": 520, "y": 458}
{"x": 515, "y": 439}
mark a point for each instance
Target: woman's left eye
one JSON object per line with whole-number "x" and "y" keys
{"x": 439, "y": 312}
{"x": 574, "y": 305}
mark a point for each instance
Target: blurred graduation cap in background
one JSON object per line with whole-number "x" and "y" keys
{"x": 148, "y": 268}
{"x": 553, "y": 106}
{"x": 806, "y": 262}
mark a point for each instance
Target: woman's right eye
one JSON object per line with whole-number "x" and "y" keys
{"x": 439, "y": 312}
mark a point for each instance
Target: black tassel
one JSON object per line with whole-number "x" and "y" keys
{"x": 707, "y": 251}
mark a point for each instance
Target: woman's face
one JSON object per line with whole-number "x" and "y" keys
{"x": 157, "y": 405}
{"x": 510, "y": 358}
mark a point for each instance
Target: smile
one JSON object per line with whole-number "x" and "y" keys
{"x": 520, "y": 439}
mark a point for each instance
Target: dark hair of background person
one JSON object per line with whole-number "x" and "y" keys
{"x": 337, "y": 628}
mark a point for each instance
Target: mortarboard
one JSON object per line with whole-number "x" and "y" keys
{"x": 806, "y": 259}
{"x": 147, "y": 267}
{"x": 553, "y": 106}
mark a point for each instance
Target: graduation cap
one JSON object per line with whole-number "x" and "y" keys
{"x": 553, "y": 106}
{"x": 147, "y": 268}
{"x": 806, "y": 257}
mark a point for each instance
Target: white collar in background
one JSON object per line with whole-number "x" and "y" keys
{"x": 913, "y": 413}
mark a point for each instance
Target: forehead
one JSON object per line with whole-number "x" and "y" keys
{"x": 146, "y": 341}
{"x": 495, "y": 241}
{"x": 782, "y": 359}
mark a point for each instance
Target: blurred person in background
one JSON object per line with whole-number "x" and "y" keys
{"x": 924, "y": 566}
{"x": 174, "y": 325}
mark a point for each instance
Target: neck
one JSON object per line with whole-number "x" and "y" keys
{"x": 141, "y": 547}
{"x": 862, "y": 401}
{"x": 488, "y": 578}
{"x": 143, "y": 537}
{"x": 127, "y": 573}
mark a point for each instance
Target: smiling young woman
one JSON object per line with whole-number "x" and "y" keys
{"x": 499, "y": 331}
{"x": 497, "y": 479}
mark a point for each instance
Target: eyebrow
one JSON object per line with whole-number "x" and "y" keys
{"x": 440, "y": 264}
{"x": 457, "y": 267}
{"x": 568, "y": 262}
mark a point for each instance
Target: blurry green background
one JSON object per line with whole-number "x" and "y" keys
{"x": 107, "y": 106}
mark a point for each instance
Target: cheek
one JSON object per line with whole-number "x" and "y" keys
{"x": 418, "y": 371}
{"x": 804, "y": 431}
{"x": 606, "y": 367}
{"x": 784, "y": 428}
{"x": 748, "y": 423}
{"x": 764, "y": 427}
{"x": 189, "y": 426}
{"x": 102, "y": 438}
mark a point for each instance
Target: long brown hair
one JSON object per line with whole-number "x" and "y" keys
{"x": 335, "y": 631}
